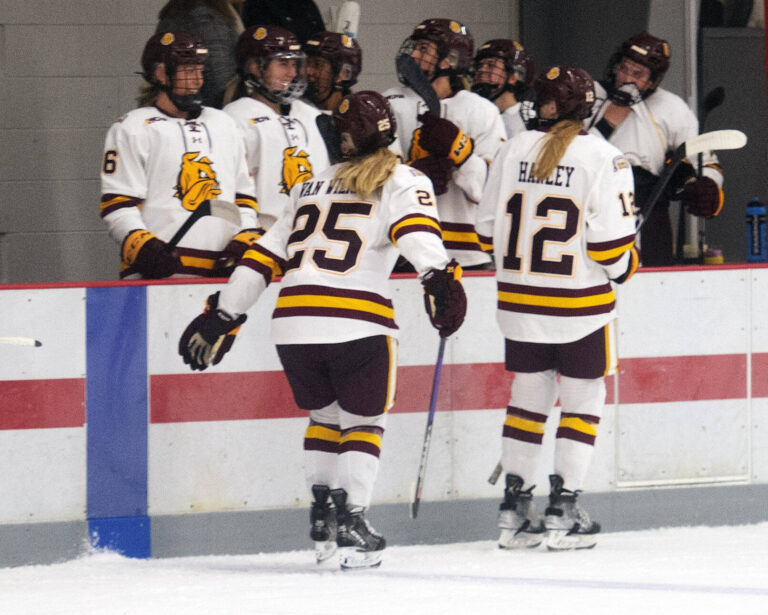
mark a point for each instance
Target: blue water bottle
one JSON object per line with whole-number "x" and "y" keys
{"x": 756, "y": 240}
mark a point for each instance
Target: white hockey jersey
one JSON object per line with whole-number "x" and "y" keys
{"x": 157, "y": 169}
{"x": 657, "y": 124}
{"x": 480, "y": 119}
{"x": 337, "y": 251}
{"x": 558, "y": 243}
{"x": 282, "y": 150}
{"x": 513, "y": 120}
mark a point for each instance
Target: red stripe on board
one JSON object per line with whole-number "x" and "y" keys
{"x": 41, "y": 404}
{"x": 696, "y": 378}
{"x": 760, "y": 374}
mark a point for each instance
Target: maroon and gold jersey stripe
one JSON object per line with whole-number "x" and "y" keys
{"x": 486, "y": 243}
{"x": 314, "y": 300}
{"x": 414, "y": 223}
{"x": 460, "y": 236}
{"x": 608, "y": 252}
{"x": 113, "y": 202}
{"x": 264, "y": 262}
{"x": 194, "y": 262}
{"x": 246, "y": 200}
{"x": 556, "y": 301}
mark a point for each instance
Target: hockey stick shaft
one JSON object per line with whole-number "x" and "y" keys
{"x": 216, "y": 208}
{"x": 717, "y": 139}
{"x": 20, "y": 341}
{"x": 428, "y": 432}
{"x": 418, "y": 82}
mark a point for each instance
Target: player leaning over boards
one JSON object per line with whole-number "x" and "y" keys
{"x": 503, "y": 75}
{"x": 334, "y": 323}
{"x": 162, "y": 160}
{"x": 453, "y": 150}
{"x": 334, "y": 61}
{"x": 646, "y": 121}
{"x": 282, "y": 142}
{"x": 559, "y": 207}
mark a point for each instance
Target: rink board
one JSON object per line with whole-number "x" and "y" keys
{"x": 104, "y": 425}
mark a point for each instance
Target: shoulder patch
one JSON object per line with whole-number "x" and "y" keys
{"x": 620, "y": 163}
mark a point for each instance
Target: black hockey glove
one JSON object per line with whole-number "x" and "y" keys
{"x": 143, "y": 252}
{"x": 444, "y": 298}
{"x": 209, "y": 336}
{"x": 234, "y": 250}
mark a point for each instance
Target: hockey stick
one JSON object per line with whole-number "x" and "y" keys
{"x": 495, "y": 474}
{"x": 20, "y": 341}
{"x": 415, "y": 78}
{"x": 348, "y": 19}
{"x": 216, "y": 208}
{"x": 414, "y": 508}
{"x": 717, "y": 139}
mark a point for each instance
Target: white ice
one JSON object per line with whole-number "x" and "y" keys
{"x": 683, "y": 570}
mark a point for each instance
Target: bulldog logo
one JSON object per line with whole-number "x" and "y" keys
{"x": 196, "y": 181}
{"x": 296, "y": 168}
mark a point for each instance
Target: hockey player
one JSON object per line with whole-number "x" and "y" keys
{"x": 559, "y": 206}
{"x": 646, "y": 122}
{"x": 453, "y": 150}
{"x": 503, "y": 74}
{"x": 162, "y": 160}
{"x": 282, "y": 142}
{"x": 334, "y": 323}
{"x": 334, "y": 61}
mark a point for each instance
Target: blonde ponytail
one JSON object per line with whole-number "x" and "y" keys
{"x": 553, "y": 147}
{"x": 365, "y": 175}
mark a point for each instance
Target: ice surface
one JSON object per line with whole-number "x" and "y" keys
{"x": 683, "y": 570}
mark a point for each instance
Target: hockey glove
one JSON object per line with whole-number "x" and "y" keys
{"x": 210, "y": 336}
{"x": 703, "y": 197}
{"x": 442, "y": 138}
{"x": 234, "y": 250}
{"x": 439, "y": 171}
{"x": 444, "y": 298}
{"x": 148, "y": 255}
{"x": 682, "y": 174}
{"x": 634, "y": 263}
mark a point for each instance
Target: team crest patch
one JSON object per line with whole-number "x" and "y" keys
{"x": 344, "y": 106}
{"x": 167, "y": 38}
{"x": 260, "y": 33}
{"x": 620, "y": 163}
{"x": 196, "y": 181}
{"x": 296, "y": 168}
{"x": 553, "y": 73}
{"x": 346, "y": 41}
{"x": 455, "y": 27}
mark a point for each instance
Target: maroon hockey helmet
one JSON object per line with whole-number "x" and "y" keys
{"x": 452, "y": 38}
{"x": 368, "y": 119}
{"x": 171, "y": 49}
{"x": 645, "y": 49}
{"x": 264, "y": 44}
{"x": 513, "y": 55}
{"x": 342, "y": 51}
{"x": 570, "y": 87}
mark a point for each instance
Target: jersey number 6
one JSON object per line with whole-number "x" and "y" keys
{"x": 310, "y": 213}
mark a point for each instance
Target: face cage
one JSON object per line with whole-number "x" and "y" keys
{"x": 488, "y": 90}
{"x": 407, "y": 48}
{"x": 620, "y": 96}
{"x": 191, "y": 104}
{"x": 293, "y": 90}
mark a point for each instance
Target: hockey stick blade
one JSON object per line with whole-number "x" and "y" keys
{"x": 495, "y": 474}
{"x": 714, "y": 140}
{"x": 415, "y": 78}
{"x": 217, "y": 208}
{"x": 20, "y": 341}
{"x": 414, "y": 507}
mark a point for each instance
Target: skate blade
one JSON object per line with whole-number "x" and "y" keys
{"x": 352, "y": 559}
{"x": 561, "y": 540}
{"x": 524, "y": 540}
{"x": 324, "y": 550}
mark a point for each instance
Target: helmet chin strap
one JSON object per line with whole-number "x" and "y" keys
{"x": 191, "y": 104}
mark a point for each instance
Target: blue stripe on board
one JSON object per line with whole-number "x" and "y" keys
{"x": 117, "y": 394}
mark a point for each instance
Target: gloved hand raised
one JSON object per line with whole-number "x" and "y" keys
{"x": 702, "y": 197}
{"x": 148, "y": 255}
{"x": 209, "y": 336}
{"x": 444, "y": 298}
{"x": 442, "y": 138}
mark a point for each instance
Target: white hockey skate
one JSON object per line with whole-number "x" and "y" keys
{"x": 568, "y": 524}
{"x": 322, "y": 517}
{"x": 360, "y": 546}
{"x": 520, "y": 526}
